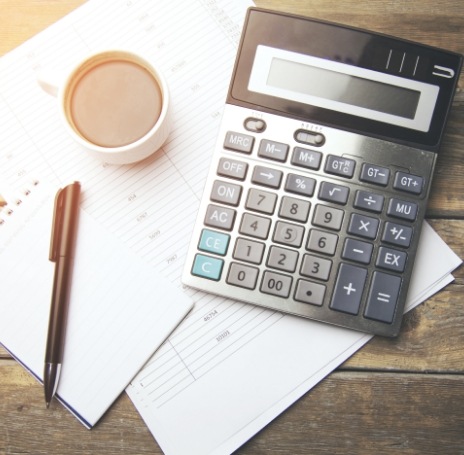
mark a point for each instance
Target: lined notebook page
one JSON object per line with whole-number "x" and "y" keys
{"x": 120, "y": 310}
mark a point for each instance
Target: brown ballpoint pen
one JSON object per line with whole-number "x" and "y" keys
{"x": 61, "y": 252}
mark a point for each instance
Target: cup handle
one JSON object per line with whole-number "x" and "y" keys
{"x": 49, "y": 81}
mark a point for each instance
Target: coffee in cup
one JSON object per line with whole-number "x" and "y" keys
{"x": 116, "y": 105}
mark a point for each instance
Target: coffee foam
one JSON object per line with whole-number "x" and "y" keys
{"x": 114, "y": 102}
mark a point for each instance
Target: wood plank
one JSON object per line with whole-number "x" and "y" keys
{"x": 349, "y": 412}
{"x": 24, "y": 19}
{"x": 421, "y": 345}
{"x": 359, "y": 413}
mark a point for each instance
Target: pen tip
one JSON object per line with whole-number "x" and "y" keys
{"x": 47, "y": 404}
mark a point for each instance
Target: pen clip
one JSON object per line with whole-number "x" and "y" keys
{"x": 56, "y": 225}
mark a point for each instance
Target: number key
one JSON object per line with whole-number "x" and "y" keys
{"x": 322, "y": 242}
{"x": 255, "y": 226}
{"x": 316, "y": 267}
{"x": 328, "y": 217}
{"x": 248, "y": 251}
{"x": 261, "y": 201}
{"x": 288, "y": 234}
{"x": 276, "y": 284}
{"x": 294, "y": 209}
{"x": 282, "y": 259}
{"x": 242, "y": 275}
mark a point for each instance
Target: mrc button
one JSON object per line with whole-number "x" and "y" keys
{"x": 239, "y": 142}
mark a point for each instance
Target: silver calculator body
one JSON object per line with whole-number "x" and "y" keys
{"x": 319, "y": 181}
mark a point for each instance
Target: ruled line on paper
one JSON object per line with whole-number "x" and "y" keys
{"x": 149, "y": 206}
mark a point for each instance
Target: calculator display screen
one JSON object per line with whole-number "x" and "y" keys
{"x": 343, "y": 88}
{"x": 345, "y": 78}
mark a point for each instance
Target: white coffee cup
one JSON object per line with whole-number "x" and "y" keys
{"x": 115, "y": 104}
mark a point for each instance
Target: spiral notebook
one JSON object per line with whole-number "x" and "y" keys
{"x": 120, "y": 309}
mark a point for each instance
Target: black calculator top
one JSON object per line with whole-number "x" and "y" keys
{"x": 395, "y": 89}
{"x": 321, "y": 172}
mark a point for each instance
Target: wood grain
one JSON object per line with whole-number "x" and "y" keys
{"x": 401, "y": 396}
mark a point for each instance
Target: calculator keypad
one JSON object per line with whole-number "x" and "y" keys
{"x": 309, "y": 231}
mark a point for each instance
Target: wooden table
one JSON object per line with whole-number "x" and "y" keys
{"x": 394, "y": 396}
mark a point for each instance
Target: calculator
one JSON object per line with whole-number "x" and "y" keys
{"x": 320, "y": 176}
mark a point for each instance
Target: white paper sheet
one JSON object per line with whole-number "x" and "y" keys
{"x": 217, "y": 394}
{"x": 120, "y": 311}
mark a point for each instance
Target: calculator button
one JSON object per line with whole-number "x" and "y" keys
{"x": 232, "y": 168}
{"x": 348, "y": 289}
{"x": 288, "y": 234}
{"x": 226, "y": 193}
{"x": 363, "y": 226}
{"x": 255, "y": 226}
{"x": 333, "y": 193}
{"x": 267, "y": 177}
{"x": 309, "y": 159}
{"x": 255, "y": 125}
{"x": 408, "y": 182}
{"x": 343, "y": 167}
{"x": 220, "y": 217}
{"x": 322, "y": 242}
{"x": 299, "y": 184}
{"x": 309, "y": 292}
{"x": 214, "y": 242}
{"x": 309, "y": 137}
{"x": 397, "y": 234}
{"x": 261, "y": 201}
{"x": 273, "y": 150}
{"x": 294, "y": 209}
{"x": 357, "y": 251}
{"x": 276, "y": 284}
{"x": 207, "y": 267}
{"x": 391, "y": 259}
{"x": 242, "y": 275}
{"x": 377, "y": 175}
{"x": 369, "y": 201}
{"x": 316, "y": 267}
{"x": 239, "y": 142}
{"x": 402, "y": 209}
{"x": 383, "y": 296}
{"x": 248, "y": 251}
{"x": 282, "y": 259}
{"x": 328, "y": 217}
